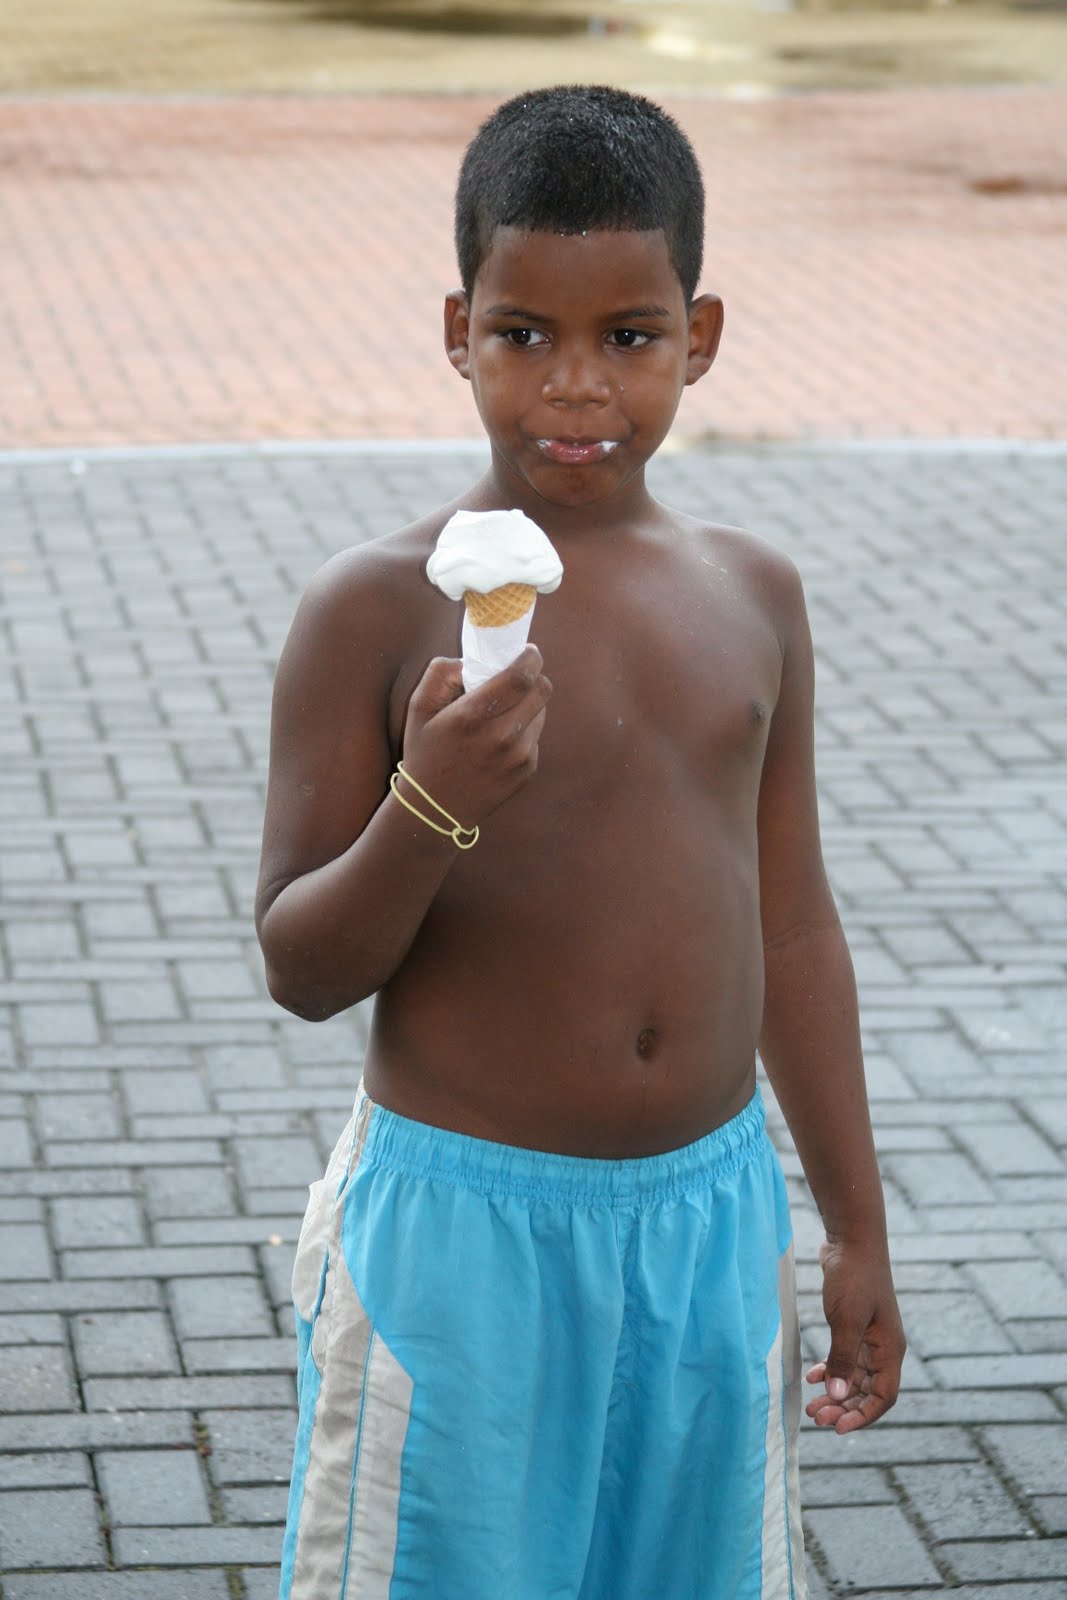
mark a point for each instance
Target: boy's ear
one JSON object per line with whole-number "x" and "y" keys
{"x": 457, "y": 331}
{"x": 705, "y": 331}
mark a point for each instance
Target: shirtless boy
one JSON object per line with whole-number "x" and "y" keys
{"x": 546, "y": 1323}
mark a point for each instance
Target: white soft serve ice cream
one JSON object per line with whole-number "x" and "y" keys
{"x": 483, "y": 550}
{"x": 496, "y": 562}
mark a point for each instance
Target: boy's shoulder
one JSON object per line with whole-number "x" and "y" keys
{"x": 750, "y": 558}
{"x": 375, "y": 587}
{"x": 359, "y": 610}
{"x": 380, "y": 565}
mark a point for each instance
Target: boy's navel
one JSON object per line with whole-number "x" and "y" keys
{"x": 646, "y": 1043}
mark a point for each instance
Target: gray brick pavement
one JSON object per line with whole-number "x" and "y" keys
{"x": 160, "y": 1119}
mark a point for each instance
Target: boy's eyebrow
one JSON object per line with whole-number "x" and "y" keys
{"x": 627, "y": 313}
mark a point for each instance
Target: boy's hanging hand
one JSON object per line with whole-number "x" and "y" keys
{"x": 474, "y": 751}
{"x": 861, "y": 1374}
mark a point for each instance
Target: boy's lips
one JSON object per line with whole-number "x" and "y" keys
{"x": 576, "y": 452}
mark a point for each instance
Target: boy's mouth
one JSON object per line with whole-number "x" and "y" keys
{"x": 576, "y": 452}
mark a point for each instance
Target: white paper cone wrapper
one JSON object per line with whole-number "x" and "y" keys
{"x": 487, "y": 651}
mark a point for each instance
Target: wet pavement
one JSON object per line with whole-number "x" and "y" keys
{"x": 183, "y": 269}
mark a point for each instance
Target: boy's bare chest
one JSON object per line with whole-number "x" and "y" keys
{"x": 687, "y": 670}
{"x": 679, "y": 667}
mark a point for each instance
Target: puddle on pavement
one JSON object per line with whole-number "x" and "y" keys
{"x": 745, "y": 48}
{"x": 822, "y": 43}
{"x": 482, "y": 20}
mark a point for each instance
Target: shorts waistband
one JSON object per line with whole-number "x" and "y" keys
{"x": 418, "y": 1150}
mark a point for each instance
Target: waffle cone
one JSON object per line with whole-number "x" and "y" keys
{"x": 506, "y": 604}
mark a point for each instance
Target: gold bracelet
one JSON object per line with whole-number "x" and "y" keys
{"x": 453, "y": 832}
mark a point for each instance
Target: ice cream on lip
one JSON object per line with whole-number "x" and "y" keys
{"x": 497, "y": 562}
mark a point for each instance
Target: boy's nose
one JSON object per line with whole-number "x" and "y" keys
{"x": 576, "y": 381}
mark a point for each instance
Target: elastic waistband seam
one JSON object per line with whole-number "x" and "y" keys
{"x": 560, "y": 1194}
{"x": 380, "y": 1153}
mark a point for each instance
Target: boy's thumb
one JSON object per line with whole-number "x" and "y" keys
{"x": 841, "y": 1362}
{"x": 441, "y": 683}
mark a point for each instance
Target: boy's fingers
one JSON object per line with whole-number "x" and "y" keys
{"x": 509, "y": 687}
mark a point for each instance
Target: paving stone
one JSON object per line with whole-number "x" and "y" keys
{"x": 220, "y": 1307}
{"x": 262, "y": 1583}
{"x": 964, "y": 1500}
{"x": 15, "y": 1147}
{"x": 293, "y": 1160}
{"x": 36, "y": 1378}
{"x": 24, "y": 1251}
{"x": 45, "y": 1470}
{"x": 173, "y": 1547}
{"x": 839, "y": 1486}
{"x": 959, "y": 1248}
{"x": 239, "y": 1355}
{"x": 1001, "y": 1372}
{"x": 162, "y": 1091}
{"x": 101, "y": 1294}
{"x": 1050, "y": 1511}
{"x": 1022, "y": 1288}
{"x": 126, "y": 1342}
{"x": 149, "y": 1488}
{"x": 251, "y": 1447}
{"x": 76, "y": 1116}
{"x": 885, "y": 1445}
{"x": 277, "y": 1263}
{"x": 141, "y": 1585}
{"x": 263, "y": 1504}
{"x": 75, "y": 1430}
{"x": 967, "y": 1406}
{"x": 149, "y": 1153}
{"x": 264, "y": 1229}
{"x": 973, "y": 1591}
{"x": 190, "y": 1192}
{"x": 57, "y": 1024}
{"x": 864, "y": 1546}
{"x": 192, "y": 1394}
{"x": 952, "y": 1179}
{"x": 951, "y": 1324}
{"x": 25, "y": 1329}
{"x": 1035, "y": 1335}
{"x": 163, "y": 1261}
{"x": 1034, "y": 1457}
{"x": 49, "y": 1528}
{"x": 1013, "y": 1148}
{"x": 84, "y": 1222}
{"x": 990, "y": 1560}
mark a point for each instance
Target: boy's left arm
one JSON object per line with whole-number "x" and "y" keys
{"x": 810, "y": 1046}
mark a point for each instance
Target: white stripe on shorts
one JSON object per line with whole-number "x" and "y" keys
{"x": 346, "y": 1534}
{"x": 783, "y": 1538}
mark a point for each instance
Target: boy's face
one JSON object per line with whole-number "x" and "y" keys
{"x": 578, "y": 348}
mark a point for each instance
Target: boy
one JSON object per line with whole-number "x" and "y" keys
{"x": 546, "y": 1322}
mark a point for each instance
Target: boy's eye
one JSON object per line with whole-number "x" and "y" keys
{"x": 524, "y": 338}
{"x": 629, "y": 338}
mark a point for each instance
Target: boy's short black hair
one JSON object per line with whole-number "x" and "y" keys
{"x": 575, "y": 158}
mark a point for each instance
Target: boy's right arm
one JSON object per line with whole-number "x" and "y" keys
{"x": 348, "y": 873}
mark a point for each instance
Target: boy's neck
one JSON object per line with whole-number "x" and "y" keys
{"x": 630, "y": 506}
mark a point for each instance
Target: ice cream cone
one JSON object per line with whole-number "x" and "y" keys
{"x": 500, "y": 606}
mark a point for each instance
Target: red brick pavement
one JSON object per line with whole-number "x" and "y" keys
{"x": 207, "y": 269}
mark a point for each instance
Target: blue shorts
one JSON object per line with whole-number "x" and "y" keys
{"x": 526, "y": 1376}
